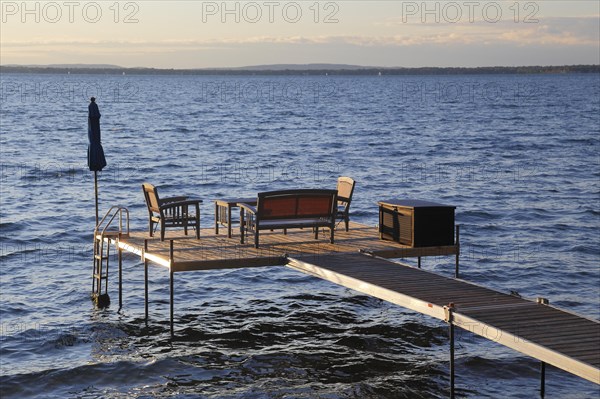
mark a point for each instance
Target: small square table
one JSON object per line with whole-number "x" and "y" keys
{"x": 223, "y": 211}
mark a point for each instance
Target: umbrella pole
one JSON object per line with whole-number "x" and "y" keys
{"x": 96, "y": 192}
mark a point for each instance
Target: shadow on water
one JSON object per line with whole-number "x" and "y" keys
{"x": 214, "y": 355}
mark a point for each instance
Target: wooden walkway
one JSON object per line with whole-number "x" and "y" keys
{"x": 556, "y": 337}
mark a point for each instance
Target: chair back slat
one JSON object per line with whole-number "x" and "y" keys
{"x": 345, "y": 189}
{"x": 151, "y": 196}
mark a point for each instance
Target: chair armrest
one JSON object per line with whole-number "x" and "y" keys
{"x": 177, "y": 204}
{"x": 172, "y": 199}
{"x": 249, "y": 208}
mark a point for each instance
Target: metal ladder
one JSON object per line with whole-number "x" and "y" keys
{"x": 104, "y": 235}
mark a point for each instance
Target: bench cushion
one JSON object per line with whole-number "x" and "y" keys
{"x": 289, "y": 223}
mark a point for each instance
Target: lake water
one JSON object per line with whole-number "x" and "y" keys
{"x": 517, "y": 154}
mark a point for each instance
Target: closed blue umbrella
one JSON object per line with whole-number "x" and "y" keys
{"x": 95, "y": 155}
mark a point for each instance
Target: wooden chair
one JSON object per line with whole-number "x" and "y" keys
{"x": 171, "y": 212}
{"x": 345, "y": 189}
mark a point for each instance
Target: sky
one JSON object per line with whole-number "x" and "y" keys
{"x": 206, "y": 34}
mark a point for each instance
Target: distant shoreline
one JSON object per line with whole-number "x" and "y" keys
{"x": 302, "y": 70}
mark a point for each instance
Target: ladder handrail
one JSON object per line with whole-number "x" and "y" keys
{"x": 103, "y": 300}
{"x": 114, "y": 211}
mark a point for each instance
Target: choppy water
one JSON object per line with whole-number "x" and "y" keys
{"x": 518, "y": 155}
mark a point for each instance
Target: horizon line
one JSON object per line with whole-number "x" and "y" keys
{"x": 315, "y": 66}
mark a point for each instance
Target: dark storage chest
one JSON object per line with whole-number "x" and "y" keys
{"x": 416, "y": 223}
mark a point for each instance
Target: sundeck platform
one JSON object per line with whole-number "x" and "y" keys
{"x": 216, "y": 251}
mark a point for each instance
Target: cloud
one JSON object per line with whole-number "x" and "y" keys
{"x": 533, "y": 36}
{"x": 556, "y": 34}
{"x": 549, "y": 31}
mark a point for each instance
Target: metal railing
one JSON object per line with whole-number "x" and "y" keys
{"x": 112, "y": 213}
{"x": 101, "y": 260}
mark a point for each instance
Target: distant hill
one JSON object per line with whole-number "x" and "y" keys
{"x": 73, "y": 66}
{"x": 300, "y": 67}
{"x": 296, "y": 69}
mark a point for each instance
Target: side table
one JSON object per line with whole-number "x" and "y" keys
{"x": 223, "y": 211}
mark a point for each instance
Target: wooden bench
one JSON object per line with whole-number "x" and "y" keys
{"x": 287, "y": 209}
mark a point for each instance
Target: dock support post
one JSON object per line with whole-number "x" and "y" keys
{"x": 543, "y": 380}
{"x": 449, "y": 319}
{"x": 542, "y": 301}
{"x": 172, "y": 305}
{"x": 217, "y": 218}
{"x": 451, "y": 360}
{"x": 171, "y": 286}
{"x": 145, "y": 280}
{"x": 457, "y": 244}
{"x": 419, "y": 262}
{"x": 120, "y": 272}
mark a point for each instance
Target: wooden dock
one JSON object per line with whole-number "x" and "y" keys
{"x": 356, "y": 260}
